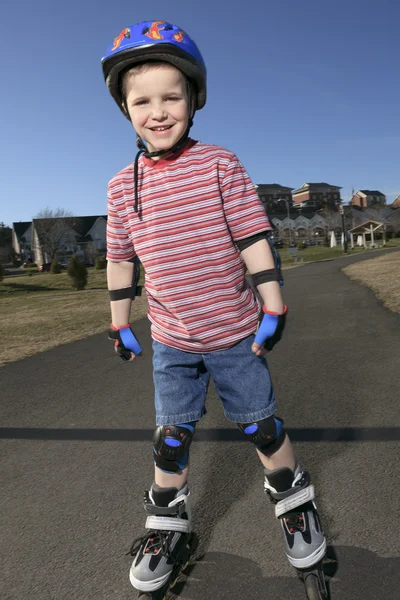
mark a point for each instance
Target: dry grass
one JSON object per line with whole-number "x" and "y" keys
{"x": 41, "y": 312}
{"x": 382, "y": 275}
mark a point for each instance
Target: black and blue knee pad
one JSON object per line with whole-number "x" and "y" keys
{"x": 267, "y": 435}
{"x": 171, "y": 446}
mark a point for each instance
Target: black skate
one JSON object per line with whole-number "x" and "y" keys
{"x": 293, "y": 496}
{"x": 163, "y": 553}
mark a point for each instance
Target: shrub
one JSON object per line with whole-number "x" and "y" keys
{"x": 31, "y": 268}
{"x": 1, "y": 272}
{"x": 302, "y": 246}
{"x": 78, "y": 273}
{"x": 327, "y": 243}
{"x": 55, "y": 267}
{"x": 101, "y": 262}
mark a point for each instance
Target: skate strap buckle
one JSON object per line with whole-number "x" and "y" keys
{"x": 166, "y": 511}
{"x": 301, "y": 497}
{"x": 166, "y": 524}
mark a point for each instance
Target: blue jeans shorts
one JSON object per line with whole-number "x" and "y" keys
{"x": 241, "y": 380}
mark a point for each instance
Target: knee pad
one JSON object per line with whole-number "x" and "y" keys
{"x": 268, "y": 434}
{"x": 171, "y": 446}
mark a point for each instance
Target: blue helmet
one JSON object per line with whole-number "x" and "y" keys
{"x": 154, "y": 41}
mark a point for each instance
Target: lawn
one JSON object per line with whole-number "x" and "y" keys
{"x": 313, "y": 253}
{"x": 42, "y": 311}
{"x": 382, "y": 275}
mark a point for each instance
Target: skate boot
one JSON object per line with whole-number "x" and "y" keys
{"x": 305, "y": 542}
{"x": 164, "y": 549}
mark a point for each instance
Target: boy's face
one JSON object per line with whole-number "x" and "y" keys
{"x": 157, "y": 102}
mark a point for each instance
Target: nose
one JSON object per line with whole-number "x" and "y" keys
{"x": 158, "y": 112}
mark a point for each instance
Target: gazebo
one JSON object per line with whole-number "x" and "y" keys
{"x": 367, "y": 228}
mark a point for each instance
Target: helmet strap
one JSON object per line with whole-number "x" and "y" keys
{"x": 177, "y": 146}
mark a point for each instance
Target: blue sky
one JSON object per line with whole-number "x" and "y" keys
{"x": 300, "y": 91}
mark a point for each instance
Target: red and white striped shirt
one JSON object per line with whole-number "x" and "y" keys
{"x": 193, "y": 205}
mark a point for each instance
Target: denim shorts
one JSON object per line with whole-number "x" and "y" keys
{"x": 241, "y": 380}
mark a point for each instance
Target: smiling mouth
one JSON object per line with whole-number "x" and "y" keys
{"x": 161, "y": 128}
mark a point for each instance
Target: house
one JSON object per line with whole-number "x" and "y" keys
{"x": 368, "y": 199}
{"x": 64, "y": 236}
{"x": 22, "y": 239}
{"x": 316, "y": 195}
{"x": 274, "y": 196}
{"x": 308, "y": 225}
{"x": 396, "y": 203}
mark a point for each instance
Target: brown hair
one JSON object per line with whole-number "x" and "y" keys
{"x": 130, "y": 72}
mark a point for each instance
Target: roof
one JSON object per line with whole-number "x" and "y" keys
{"x": 267, "y": 186}
{"x": 370, "y": 192}
{"x": 322, "y": 184}
{"x": 21, "y": 227}
{"x": 82, "y": 225}
{"x": 294, "y": 214}
{"x": 366, "y": 226}
{"x": 396, "y": 202}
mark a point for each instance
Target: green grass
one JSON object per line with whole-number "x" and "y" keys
{"x": 313, "y": 253}
{"x": 47, "y": 282}
{"x": 42, "y": 311}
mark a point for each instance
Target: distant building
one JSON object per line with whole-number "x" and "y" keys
{"x": 316, "y": 195}
{"x": 273, "y": 195}
{"x": 22, "y": 239}
{"x": 396, "y": 203}
{"x": 42, "y": 239}
{"x": 368, "y": 199}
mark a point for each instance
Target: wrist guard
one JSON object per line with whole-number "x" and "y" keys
{"x": 269, "y": 325}
{"x": 124, "y": 340}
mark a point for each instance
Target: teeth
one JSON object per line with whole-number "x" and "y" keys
{"x": 160, "y": 128}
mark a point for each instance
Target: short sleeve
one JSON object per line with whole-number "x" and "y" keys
{"x": 243, "y": 208}
{"x": 119, "y": 245}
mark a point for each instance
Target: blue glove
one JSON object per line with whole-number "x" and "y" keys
{"x": 269, "y": 325}
{"x": 125, "y": 341}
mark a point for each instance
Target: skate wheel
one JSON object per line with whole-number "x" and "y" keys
{"x": 315, "y": 586}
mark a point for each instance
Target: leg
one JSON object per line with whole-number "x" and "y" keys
{"x": 180, "y": 386}
{"x": 289, "y": 488}
{"x": 283, "y": 457}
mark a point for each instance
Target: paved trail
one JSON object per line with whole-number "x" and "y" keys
{"x": 75, "y": 456}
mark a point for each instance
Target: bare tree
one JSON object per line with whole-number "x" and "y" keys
{"x": 332, "y": 219}
{"x": 54, "y": 230}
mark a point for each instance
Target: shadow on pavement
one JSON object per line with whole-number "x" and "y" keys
{"x": 362, "y": 574}
{"x": 329, "y": 434}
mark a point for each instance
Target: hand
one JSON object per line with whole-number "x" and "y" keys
{"x": 125, "y": 343}
{"x": 269, "y": 331}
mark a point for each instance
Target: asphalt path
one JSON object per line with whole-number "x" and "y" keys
{"x": 75, "y": 457}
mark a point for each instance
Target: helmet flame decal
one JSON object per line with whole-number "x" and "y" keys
{"x": 154, "y": 31}
{"x": 125, "y": 33}
{"x": 179, "y": 37}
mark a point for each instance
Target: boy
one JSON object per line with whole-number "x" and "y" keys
{"x": 189, "y": 212}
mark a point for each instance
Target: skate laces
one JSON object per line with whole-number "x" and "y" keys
{"x": 294, "y": 522}
{"x": 152, "y": 542}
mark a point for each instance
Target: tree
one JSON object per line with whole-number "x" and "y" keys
{"x": 6, "y": 251}
{"x": 332, "y": 218}
{"x": 54, "y": 230}
{"x": 101, "y": 262}
{"x": 78, "y": 273}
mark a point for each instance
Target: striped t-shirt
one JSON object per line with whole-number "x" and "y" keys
{"x": 193, "y": 206}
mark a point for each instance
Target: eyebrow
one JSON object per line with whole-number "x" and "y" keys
{"x": 170, "y": 93}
